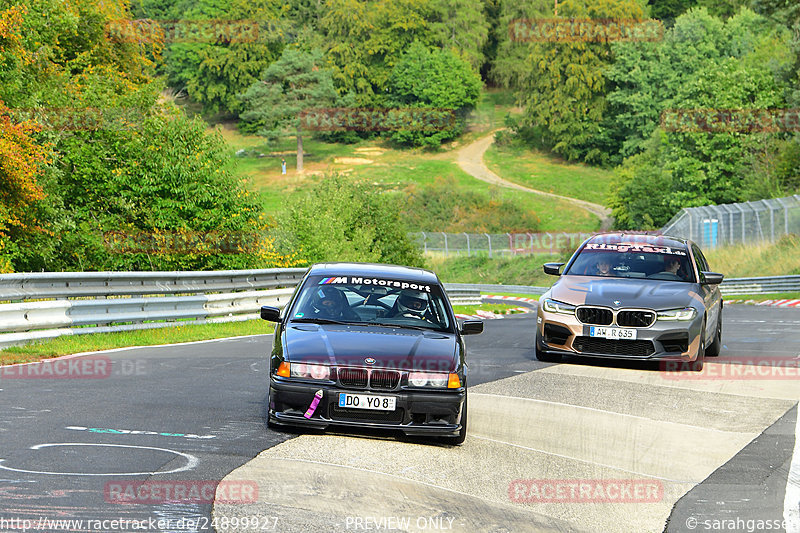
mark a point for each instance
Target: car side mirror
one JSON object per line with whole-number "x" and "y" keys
{"x": 273, "y": 314}
{"x": 710, "y": 278}
{"x": 472, "y": 327}
{"x": 554, "y": 269}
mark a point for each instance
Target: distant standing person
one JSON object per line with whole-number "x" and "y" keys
{"x": 283, "y": 166}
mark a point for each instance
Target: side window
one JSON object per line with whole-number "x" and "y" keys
{"x": 699, "y": 261}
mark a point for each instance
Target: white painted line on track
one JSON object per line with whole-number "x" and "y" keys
{"x": 191, "y": 461}
{"x": 594, "y": 409}
{"x": 791, "y": 500}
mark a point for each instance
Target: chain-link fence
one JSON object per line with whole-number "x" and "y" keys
{"x": 498, "y": 244}
{"x": 742, "y": 223}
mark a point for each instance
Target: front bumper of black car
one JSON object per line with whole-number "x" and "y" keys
{"x": 417, "y": 412}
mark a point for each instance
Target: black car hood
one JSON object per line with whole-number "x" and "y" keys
{"x": 398, "y": 348}
{"x": 629, "y": 292}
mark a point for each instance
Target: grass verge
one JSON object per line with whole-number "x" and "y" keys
{"x": 104, "y": 341}
{"x": 499, "y": 309}
{"x": 764, "y": 297}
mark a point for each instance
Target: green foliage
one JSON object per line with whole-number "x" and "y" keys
{"x": 442, "y": 206}
{"x": 433, "y": 79}
{"x": 215, "y": 70}
{"x": 702, "y": 63}
{"x": 563, "y": 87}
{"x": 463, "y": 28}
{"x": 365, "y": 39}
{"x": 342, "y": 220}
{"x": 292, "y": 84}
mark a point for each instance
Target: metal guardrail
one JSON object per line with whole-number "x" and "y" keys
{"x": 48, "y": 305}
{"x": 762, "y": 285}
{"x": 41, "y": 285}
{"x": 76, "y": 303}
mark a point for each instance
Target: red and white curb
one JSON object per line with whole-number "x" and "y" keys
{"x": 488, "y": 315}
{"x": 767, "y": 303}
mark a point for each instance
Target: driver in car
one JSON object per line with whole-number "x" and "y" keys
{"x": 331, "y": 303}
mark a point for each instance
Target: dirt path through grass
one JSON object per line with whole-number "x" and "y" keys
{"x": 470, "y": 159}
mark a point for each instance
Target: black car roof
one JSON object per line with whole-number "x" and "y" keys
{"x": 656, "y": 240}
{"x": 374, "y": 270}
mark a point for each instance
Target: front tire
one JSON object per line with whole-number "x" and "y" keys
{"x": 697, "y": 364}
{"x": 716, "y": 346}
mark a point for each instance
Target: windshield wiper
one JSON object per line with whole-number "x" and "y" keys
{"x": 311, "y": 320}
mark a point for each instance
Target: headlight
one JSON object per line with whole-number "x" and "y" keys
{"x": 425, "y": 379}
{"x": 302, "y": 370}
{"x": 687, "y": 313}
{"x": 554, "y": 306}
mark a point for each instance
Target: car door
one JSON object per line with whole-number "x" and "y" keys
{"x": 710, "y": 293}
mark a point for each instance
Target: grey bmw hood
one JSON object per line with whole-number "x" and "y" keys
{"x": 629, "y": 292}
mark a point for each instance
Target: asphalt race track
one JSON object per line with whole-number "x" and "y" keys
{"x": 647, "y": 450}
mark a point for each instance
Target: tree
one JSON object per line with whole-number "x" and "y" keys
{"x": 292, "y": 84}
{"x": 216, "y": 49}
{"x": 562, "y": 83}
{"x": 342, "y": 220}
{"x": 433, "y": 79}
{"x": 21, "y": 159}
{"x": 703, "y": 64}
{"x": 463, "y": 29}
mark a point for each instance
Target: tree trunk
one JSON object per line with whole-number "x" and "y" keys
{"x": 299, "y": 153}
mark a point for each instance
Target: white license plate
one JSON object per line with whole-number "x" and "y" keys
{"x": 612, "y": 333}
{"x": 367, "y": 401}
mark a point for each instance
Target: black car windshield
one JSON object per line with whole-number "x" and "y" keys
{"x": 633, "y": 260}
{"x": 378, "y": 301}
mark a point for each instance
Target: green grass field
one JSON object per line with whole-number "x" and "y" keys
{"x": 548, "y": 173}
{"x": 106, "y": 341}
